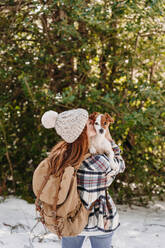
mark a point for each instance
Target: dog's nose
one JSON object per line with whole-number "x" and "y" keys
{"x": 101, "y": 130}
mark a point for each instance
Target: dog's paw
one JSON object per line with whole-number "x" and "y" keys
{"x": 92, "y": 150}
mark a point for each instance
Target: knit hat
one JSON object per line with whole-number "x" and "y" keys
{"x": 68, "y": 124}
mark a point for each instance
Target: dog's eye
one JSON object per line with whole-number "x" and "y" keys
{"x": 96, "y": 123}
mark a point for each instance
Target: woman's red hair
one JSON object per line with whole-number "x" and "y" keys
{"x": 64, "y": 154}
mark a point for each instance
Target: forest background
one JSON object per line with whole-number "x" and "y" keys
{"x": 102, "y": 55}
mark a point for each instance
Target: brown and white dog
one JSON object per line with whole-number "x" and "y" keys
{"x": 100, "y": 143}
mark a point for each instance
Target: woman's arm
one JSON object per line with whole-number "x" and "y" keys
{"x": 93, "y": 177}
{"x": 120, "y": 164}
{"x": 118, "y": 158}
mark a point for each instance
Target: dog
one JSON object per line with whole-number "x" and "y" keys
{"x": 100, "y": 144}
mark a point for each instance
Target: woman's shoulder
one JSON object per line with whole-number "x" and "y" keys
{"x": 96, "y": 162}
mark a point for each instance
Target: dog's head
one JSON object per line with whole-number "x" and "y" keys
{"x": 101, "y": 122}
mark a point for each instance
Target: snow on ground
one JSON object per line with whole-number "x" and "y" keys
{"x": 140, "y": 227}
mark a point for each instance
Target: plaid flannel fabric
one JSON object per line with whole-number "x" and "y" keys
{"x": 93, "y": 179}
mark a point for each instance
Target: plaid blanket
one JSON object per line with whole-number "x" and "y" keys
{"x": 93, "y": 179}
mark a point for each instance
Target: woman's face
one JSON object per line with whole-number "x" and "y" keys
{"x": 90, "y": 129}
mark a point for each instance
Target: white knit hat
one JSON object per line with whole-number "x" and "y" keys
{"x": 68, "y": 124}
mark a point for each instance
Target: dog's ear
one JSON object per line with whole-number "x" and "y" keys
{"x": 93, "y": 116}
{"x": 109, "y": 118}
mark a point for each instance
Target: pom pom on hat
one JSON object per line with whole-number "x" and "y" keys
{"x": 49, "y": 119}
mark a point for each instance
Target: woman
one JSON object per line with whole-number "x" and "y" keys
{"x": 93, "y": 175}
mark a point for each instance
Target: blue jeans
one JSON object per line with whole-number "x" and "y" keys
{"x": 98, "y": 241}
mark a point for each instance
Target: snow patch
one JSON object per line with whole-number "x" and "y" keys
{"x": 140, "y": 227}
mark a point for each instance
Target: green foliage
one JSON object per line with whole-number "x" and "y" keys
{"x": 106, "y": 56}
